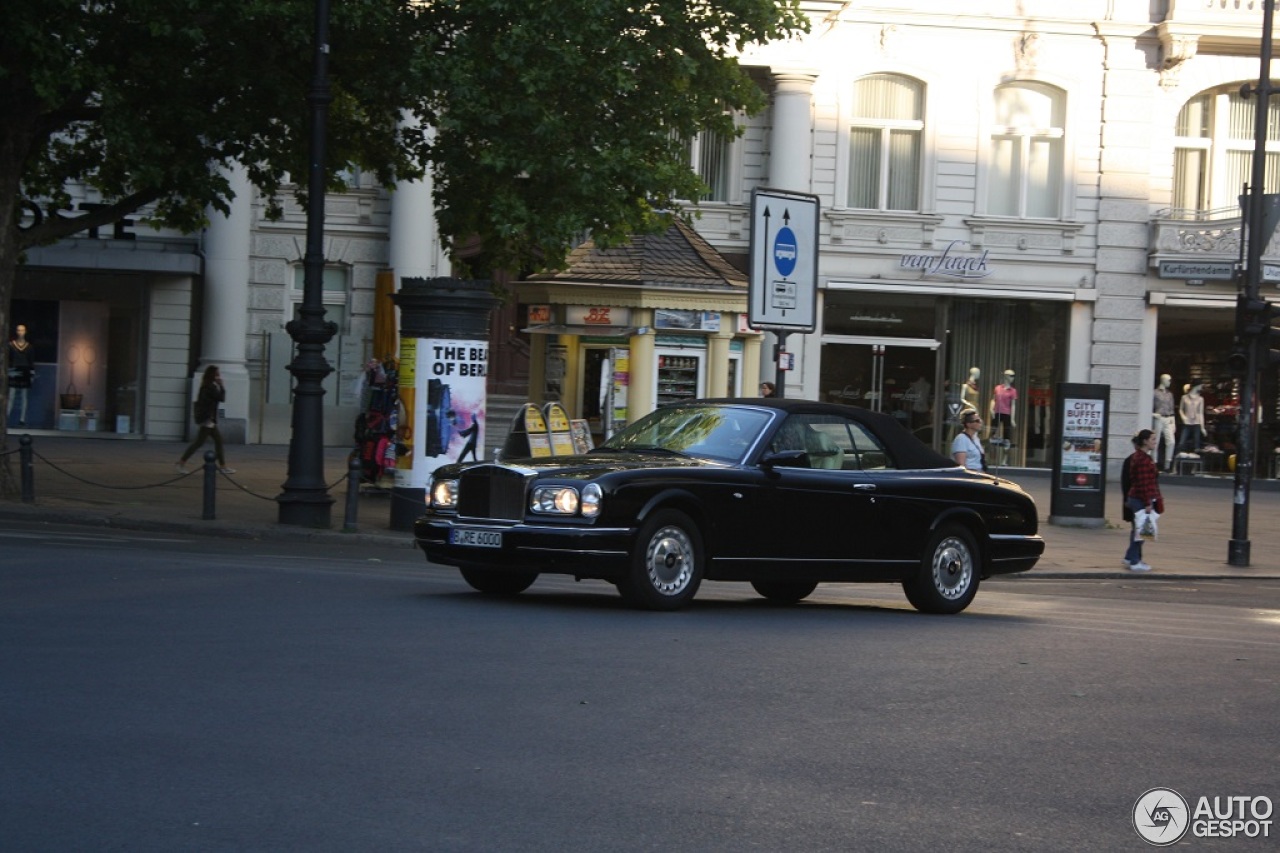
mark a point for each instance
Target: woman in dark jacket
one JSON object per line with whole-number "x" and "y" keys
{"x": 1140, "y": 481}
{"x": 205, "y": 411}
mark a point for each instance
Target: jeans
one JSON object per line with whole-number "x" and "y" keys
{"x": 1134, "y": 554}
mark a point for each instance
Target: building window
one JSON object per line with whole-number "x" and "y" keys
{"x": 1213, "y": 152}
{"x": 1027, "y": 145}
{"x": 885, "y": 143}
{"x": 334, "y": 291}
{"x": 710, "y": 156}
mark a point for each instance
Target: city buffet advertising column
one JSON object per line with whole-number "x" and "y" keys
{"x": 444, "y": 359}
{"x": 1078, "y": 494}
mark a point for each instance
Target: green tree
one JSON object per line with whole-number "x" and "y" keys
{"x": 548, "y": 118}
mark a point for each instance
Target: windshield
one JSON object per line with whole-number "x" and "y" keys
{"x": 723, "y": 433}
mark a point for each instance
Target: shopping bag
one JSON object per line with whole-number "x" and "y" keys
{"x": 1147, "y": 523}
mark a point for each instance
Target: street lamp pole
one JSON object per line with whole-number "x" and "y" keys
{"x": 1238, "y": 547}
{"x": 305, "y": 499}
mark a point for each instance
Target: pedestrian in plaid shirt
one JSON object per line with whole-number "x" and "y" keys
{"x": 1140, "y": 481}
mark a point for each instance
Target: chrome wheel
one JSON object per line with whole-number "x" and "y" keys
{"x": 666, "y": 565}
{"x": 669, "y": 560}
{"x": 947, "y": 579}
{"x": 952, "y": 568}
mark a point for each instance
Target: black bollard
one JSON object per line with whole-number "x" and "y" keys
{"x": 210, "y": 484}
{"x": 353, "y": 493}
{"x": 25, "y": 453}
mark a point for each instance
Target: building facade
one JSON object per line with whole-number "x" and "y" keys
{"x": 1013, "y": 194}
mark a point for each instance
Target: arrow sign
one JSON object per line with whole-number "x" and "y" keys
{"x": 783, "y": 283}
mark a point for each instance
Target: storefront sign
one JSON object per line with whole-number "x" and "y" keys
{"x": 947, "y": 263}
{"x": 606, "y": 315}
{"x": 539, "y": 315}
{"x": 700, "y": 321}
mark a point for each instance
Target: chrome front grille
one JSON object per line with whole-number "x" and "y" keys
{"x": 491, "y": 491}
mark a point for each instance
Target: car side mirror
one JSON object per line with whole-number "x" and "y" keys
{"x": 785, "y": 459}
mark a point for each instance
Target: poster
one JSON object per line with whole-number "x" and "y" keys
{"x": 1083, "y": 421}
{"x": 446, "y": 411}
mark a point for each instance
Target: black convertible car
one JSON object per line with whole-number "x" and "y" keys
{"x": 784, "y": 494}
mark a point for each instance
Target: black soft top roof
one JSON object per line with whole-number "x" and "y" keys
{"x": 906, "y": 450}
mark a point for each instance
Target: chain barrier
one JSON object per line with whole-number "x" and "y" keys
{"x": 27, "y": 452}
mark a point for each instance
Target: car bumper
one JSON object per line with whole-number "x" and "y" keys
{"x": 589, "y": 552}
{"x": 1011, "y": 554}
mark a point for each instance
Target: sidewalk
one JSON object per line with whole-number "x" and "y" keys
{"x": 131, "y": 484}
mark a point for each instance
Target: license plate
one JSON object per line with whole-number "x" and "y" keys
{"x": 476, "y": 538}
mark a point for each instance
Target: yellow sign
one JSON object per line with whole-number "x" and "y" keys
{"x": 558, "y": 427}
{"x": 535, "y": 429}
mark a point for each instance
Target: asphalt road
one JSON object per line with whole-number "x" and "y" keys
{"x": 170, "y": 693}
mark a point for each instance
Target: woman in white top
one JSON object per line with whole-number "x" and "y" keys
{"x": 965, "y": 448}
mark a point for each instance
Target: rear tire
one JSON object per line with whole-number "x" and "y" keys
{"x": 947, "y": 579}
{"x": 666, "y": 565}
{"x": 498, "y": 583}
{"x": 784, "y": 592}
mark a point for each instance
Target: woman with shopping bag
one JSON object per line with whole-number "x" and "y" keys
{"x": 1140, "y": 481}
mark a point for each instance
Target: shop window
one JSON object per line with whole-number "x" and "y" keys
{"x": 885, "y": 147}
{"x": 335, "y": 292}
{"x": 1213, "y": 152}
{"x": 1027, "y": 152}
{"x": 1030, "y": 340}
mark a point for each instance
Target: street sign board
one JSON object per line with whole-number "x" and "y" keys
{"x": 1271, "y": 273}
{"x": 1205, "y": 270}
{"x": 783, "y": 287}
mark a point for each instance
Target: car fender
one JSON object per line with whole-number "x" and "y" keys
{"x": 673, "y": 498}
{"x": 968, "y": 518}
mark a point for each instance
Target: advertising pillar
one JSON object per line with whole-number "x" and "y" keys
{"x": 1077, "y": 497}
{"x": 444, "y": 359}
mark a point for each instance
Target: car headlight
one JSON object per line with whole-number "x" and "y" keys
{"x": 592, "y": 494}
{"x": 557, "y": 500}
{"x": 444, "y": 494}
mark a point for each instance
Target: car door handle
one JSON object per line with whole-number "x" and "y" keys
{"x": 865, "y": 487}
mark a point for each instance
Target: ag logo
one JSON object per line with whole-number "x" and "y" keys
{"x": 1161, "y": 817}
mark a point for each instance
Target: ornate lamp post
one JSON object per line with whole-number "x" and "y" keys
{"x": 305, "y": 500}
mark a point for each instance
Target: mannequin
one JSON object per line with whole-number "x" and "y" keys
{"x": 1191, "y": 410}
{"x": 969, "y": 393}
{"x": 1162, "y": 422}
{"x": 1004, "y": 410}
{"x": 22, "y": 366}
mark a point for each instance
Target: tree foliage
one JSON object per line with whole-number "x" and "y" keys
{"x": 547, "y": 118}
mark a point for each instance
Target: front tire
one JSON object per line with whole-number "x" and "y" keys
{"x": 666, "y": 564}
{"x": 497, "y": 583}
{"x": 947, "y": 579}
{"x": 784, "y": 592}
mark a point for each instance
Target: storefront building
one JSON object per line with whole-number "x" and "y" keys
{"x": 1007, "y": 191}
{"x": 621, "y": 331}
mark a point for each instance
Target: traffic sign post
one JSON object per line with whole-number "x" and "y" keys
{"x": 782, "y": 290}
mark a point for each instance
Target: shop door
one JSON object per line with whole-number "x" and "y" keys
{"x": 897, "y": 376}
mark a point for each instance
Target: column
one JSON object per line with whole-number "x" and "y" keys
{"x": 641, "y": 393}
{"x": 225, "y": 313}
{"x": 718, "y": 359}
{"x": 790, "y": 168}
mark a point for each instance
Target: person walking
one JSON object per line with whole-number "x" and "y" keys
{"x": 1140, "y": 482}
{"x": 966, "y": 449}
{"x": 766, "y": 389}
{"x": 205, "y": 410}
